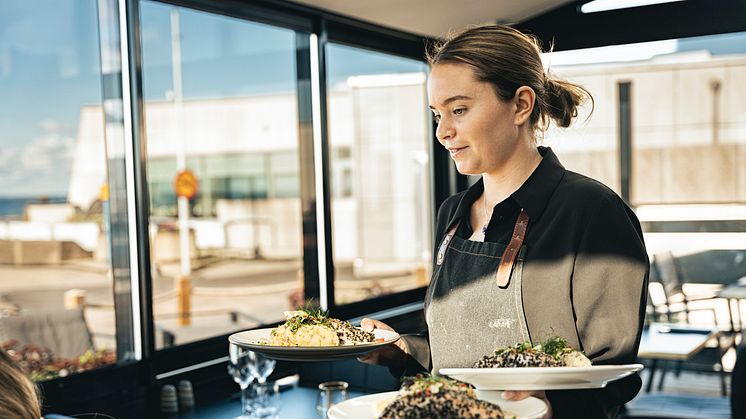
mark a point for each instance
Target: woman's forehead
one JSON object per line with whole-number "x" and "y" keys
{"x": 447, "y": 81}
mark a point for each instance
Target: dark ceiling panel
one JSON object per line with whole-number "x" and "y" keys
{"x": 570, "y": 29}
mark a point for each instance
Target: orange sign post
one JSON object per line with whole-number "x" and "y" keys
{"x": 186, "y": 184}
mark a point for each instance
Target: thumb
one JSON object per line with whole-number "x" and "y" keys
{"x": 367, "y": 324}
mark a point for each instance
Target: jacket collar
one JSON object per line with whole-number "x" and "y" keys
{"x": 533, "y": 196}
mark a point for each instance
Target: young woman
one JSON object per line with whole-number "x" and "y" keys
{"x": 532, "y": 250}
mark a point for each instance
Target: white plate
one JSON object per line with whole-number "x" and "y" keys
{"x": 250, "y": 340}
{"x": 371, "y": 406}
{"x": 547, "y": 378}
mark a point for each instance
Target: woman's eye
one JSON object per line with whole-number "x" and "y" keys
{"x": 459, "y": 111}
{"x": 436, "y": 118}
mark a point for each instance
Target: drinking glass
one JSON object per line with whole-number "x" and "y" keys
{"x": 239, "y": 369}
{"x": 330, "y": 393}
{"x": 266, "y": 398}
{"x": 260, "y": 367}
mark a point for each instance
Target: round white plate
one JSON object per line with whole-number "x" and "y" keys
{"x": 250, "y": 340}
{"x": 371, "y": 406}
{"x": 547, "y": 378}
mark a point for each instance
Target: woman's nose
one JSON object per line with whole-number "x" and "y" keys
{"x": 444, "y": 131}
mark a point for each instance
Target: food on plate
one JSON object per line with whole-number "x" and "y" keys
{"x": 438, "y": 397}
{"x": 314, "y": 327}
{"x": 555, "y": 352}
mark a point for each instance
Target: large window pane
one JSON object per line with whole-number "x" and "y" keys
{"x": 221, "y": 102}
{"x": 379, "y": 146}
{"x": 56, "y": 296}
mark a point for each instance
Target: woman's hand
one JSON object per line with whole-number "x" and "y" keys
{"x": 520, "y": 395}
{"x": 393, "y": 355}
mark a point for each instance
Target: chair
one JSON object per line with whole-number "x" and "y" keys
{"x": 64, "y": 332}
{"x": 676, "y": 304}
{"x": 666, "y": 270}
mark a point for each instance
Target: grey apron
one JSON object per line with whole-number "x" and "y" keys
{"x": 468, "y": 313}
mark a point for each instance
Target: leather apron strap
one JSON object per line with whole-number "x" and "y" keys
{"x": 509, "y": 256}
{"x": 516, "y": 241}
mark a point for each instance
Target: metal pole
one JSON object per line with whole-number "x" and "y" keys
{"x": 183, "y": 202}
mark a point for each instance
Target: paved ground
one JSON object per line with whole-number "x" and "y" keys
{"x": 258, "y": 290}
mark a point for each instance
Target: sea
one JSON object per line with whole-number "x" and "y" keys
{"x": 12, "y": 207}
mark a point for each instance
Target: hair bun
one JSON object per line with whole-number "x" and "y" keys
{"x": 562, "y": 100}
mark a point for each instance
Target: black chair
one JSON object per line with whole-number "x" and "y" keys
{"x": 666, "y": 271}
{"x": 676, "y": 309}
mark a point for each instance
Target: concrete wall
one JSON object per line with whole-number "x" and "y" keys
{"x": 689, "y": 128}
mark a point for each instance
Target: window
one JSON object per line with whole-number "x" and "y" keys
{"x": 55, "y": 211}
{"x": 221, "y": 102}
{"x": 379, "y": 140}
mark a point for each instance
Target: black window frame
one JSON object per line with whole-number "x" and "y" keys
{"x": 119, "y": 384}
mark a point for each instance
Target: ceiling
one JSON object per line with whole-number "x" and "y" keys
{"x": 435, "y": 18}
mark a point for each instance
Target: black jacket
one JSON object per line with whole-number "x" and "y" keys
{"x": 585, "y": 275}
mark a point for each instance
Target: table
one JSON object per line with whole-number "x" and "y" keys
{"x": 672, "y": 342}
{"x": 296, "y": 403}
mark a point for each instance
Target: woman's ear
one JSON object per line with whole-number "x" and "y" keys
{"x": 525, "y": 100}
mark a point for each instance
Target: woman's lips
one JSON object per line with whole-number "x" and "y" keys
{"x": 456, "y": 151}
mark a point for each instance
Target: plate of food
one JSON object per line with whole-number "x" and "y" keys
{"x": 437, "y": 397}
{"x": 553, "y": 365}
{"x": 311, "y": 335}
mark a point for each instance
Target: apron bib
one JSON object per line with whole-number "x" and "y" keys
{"x": 470, "y": 311}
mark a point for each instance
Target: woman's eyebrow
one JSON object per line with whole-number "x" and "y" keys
{"x": 453, "y": 98}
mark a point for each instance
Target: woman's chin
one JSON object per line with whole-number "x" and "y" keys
{"x": 466, "y": 170}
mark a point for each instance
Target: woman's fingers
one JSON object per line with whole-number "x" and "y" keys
{"x": 520, "y": 394}
{"x": 515, "y": 395}
{"x": 369, "y": 324}
{"x": 366, "y": 359}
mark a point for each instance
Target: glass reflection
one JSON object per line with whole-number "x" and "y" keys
{"x": 54, "y": 200}
{"x": 380, "y": 185}
{"x": 221, "y": 102}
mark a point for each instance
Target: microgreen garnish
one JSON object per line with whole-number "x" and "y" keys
{"x": 313, "y": 316}
{"x": 554, "y": 347}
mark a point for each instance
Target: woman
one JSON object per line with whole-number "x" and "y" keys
{"x": 18, "y": 396}
{"x": 531, "y": 250}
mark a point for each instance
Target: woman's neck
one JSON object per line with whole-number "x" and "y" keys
{"x": 501, "y": 183}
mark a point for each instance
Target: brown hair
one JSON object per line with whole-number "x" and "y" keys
{"x": 18, "y": 395}
{"x": 508, "y": 59}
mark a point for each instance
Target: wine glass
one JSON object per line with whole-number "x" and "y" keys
{"x": 239, "y": 368}
{"x": 260, "y": 367}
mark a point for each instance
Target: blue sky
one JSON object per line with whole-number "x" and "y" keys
{"x": 49, "y": 69}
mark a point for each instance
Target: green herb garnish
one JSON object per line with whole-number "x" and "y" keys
{"x": 314, "y": 316}
{"x": 423, "y": 381}
{"x": 554, "y": 347}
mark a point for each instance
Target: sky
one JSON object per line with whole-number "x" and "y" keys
{"x": 50, "y": 68}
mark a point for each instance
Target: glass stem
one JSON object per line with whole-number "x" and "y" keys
{"x": 245, "y": 400}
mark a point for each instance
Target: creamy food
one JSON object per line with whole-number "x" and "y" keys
{"x": 555, "y": 352}
{"x": 316, "y": 328}
{"x": 438, "y": 397}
